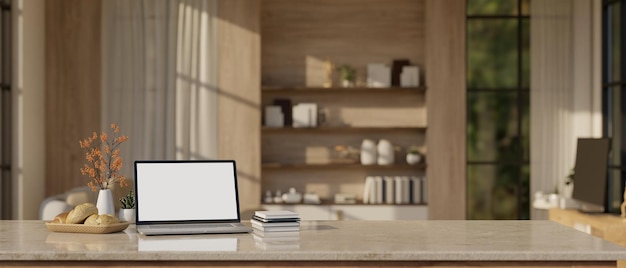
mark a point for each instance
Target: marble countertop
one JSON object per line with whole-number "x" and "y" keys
{"x": 321, "y": 241}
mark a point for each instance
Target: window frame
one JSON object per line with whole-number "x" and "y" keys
{"x": 519, "y": 90}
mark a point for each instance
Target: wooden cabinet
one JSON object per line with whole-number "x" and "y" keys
{"x": 607, "y": 226}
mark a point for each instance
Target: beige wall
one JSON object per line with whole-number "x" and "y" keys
{"x": 28, "y": 112}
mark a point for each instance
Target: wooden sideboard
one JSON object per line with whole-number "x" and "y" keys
{"x": 607, "y": 226}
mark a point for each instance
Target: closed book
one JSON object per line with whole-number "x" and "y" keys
{"x": 406, "y": 190}
{"x": 379, "y": 190}
{"x": 276, "y": 228}
{"x": 274, "y": 224}
{"x": 276, "y": 214}
{"x": 257, "y": 218}
{"x": 416, "y": 190}
{"x": 373, "y": 191}
{"x": 369, "y": 181}
{"x": 390, "y": 190}
{"x": 424, "y": 190}
{"x": 399, "y": 191}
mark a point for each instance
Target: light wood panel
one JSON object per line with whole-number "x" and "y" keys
{"x": 607, "y": 226}
{"x": 297, "y": 37}
{"x": 446, "y": 97}
{"x": 239, "y": 96}
{"x": 72, "y": 88}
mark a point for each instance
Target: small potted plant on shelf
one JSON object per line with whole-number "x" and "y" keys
{"x": 127, "y": 211}
{"x": 413, "y": 156}
{"x": 347, "y": 74}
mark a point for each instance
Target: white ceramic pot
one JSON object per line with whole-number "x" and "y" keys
{"x": 385, "y": 152}
{"x": 368, "y": 152}
{"x": 413, "y": 159}
{"x": 292, "y": 196}
{"x": 568, "y": 190}
{"x": 105, "y": 202}
{"x": 127, "y": 214}
{"x": 346, "y": 83}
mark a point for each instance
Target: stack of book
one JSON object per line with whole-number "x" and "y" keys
{"x": 276, "y": 221}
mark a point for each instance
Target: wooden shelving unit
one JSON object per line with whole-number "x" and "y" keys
{"x": 335, "y": 129}
{"x": 293, "y": 54}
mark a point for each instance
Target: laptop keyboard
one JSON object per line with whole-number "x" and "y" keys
{"x": 191, "y": 226}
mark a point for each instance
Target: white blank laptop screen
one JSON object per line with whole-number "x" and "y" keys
{"x": 186, "y": 191}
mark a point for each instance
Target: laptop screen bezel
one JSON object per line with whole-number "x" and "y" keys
{"x": 137, "y": 195}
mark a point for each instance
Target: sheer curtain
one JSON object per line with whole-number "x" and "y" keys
{"x": 159, "y": 77}
{"x": 565, "y": 88}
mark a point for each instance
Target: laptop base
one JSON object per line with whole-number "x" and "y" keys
{"x": 182, "y": 229}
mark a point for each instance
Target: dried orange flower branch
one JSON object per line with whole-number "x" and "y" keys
{"x": 104, "y": 161}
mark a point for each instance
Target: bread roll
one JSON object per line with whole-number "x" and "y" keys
{"x": 61, "y": 218}
{"x": 80, "y": 213}
{"x": 104, "y": 219}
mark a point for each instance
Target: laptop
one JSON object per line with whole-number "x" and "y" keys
{"x": 187, "y": 197}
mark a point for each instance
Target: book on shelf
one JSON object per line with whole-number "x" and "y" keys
{"x": 416, "y": 190}
{"x": 394, "y": 190}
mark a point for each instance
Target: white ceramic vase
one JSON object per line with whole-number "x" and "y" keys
{"x": 413, "y": 159}
{"x": 127, "y": 214}
{"x": 105, "y": 202}
{"x": 385, "y": 152}
{"x": 346, "y": 83}
{"x": 368, "y": 152}
{"x": 568, "y": 190}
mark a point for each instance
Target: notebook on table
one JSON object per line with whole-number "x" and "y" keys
{"x": 187, "y": 197}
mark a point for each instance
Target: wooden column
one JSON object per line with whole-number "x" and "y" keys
{"x": 72, "y": 102}
{"x": 239, "y": 96}
{"x": 446, "y": 100}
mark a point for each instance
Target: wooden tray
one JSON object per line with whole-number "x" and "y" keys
{"x": 89, "y": 229}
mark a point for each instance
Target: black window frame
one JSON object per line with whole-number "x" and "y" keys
{"x": 6, "y": 96}
{"x": 520, "y": 91}
{"x": 608, "y": 83}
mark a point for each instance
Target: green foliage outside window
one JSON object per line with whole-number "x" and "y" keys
{"x": 497, "y": 110}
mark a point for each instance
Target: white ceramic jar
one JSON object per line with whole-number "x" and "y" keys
{"x": 385, "y": 152}
{"x": 413, "y": 158}
{"x": 368, "y": 152}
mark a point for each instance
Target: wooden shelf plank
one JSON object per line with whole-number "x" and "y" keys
{"x": 341, "y": 166}
{"x": 313, "y": 90}
{"x": 330, "y": 203}
{"x": 337, "y": 129}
